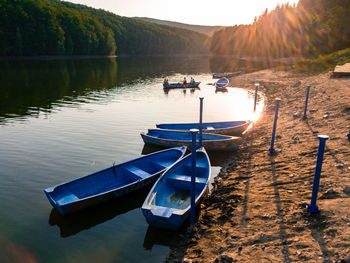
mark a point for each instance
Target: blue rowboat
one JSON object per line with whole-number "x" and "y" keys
{"x": 226, "y": 127}
{"x": 172, "y": 138}
{"x": 168, "y": 203}
{"x": 221, "y": 83}
{"x": 181, "y": 85}
{"x": 112, "y": 182}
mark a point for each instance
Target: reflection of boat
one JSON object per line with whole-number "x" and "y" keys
{"x": 226, "y": 127}
{"x": 221, "y": 89}
{"x": 163, "y": 237}
{"x": 226, "y": 74}
{"x": 172, "y": 138}
{"x": 111, "y": 182}
{"x": 181, "y": 85}
{"x": 168, "y": 203}
{"x": 72, "y": 224}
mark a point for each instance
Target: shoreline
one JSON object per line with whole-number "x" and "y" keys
{"x": 257, "y": 209}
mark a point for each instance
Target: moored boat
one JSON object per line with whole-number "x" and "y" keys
{"x": 112, "y": 182}
{"x": 168, "y": 203}
{"x": 172, "y": 138}
{"x": 226, "y": 127}
{"x": 226, "y": 74}
{"x": 222, "y": 83}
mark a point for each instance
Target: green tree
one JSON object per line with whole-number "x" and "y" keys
{"x": 19, "y": 42}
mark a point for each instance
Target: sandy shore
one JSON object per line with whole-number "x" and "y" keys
{"x": 256, "y": 211}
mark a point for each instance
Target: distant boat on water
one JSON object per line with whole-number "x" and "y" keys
{"x": 222, "y": 83}
{"x": 180, "y": 85}
{"x": 226, "y": 74}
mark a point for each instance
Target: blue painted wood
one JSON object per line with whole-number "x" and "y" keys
{"x": 168, "y": 203}
{"x": 111, "y": 182}
{"x": 222, "y": 83}
{"x": 172, "y": 138}
{"x": 226, "y": 127}
{"x": 193, "y": 175}
{"x": 181, "y": 85}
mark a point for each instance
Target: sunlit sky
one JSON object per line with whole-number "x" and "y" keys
{"x": 199, "y": 12}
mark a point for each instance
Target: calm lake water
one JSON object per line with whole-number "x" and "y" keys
{"x": 66, "y": 118}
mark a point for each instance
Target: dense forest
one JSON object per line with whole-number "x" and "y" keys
{"x": 207, "y": 30}
{"x": 312, "y": 27}
{"x": 53, "y": 27}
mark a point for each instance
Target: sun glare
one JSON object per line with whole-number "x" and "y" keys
{"x": 198, "y": 12}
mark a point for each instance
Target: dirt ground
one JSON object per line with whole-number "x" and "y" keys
{"x": 257, "y": 209}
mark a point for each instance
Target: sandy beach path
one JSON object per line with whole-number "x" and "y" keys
{"x": 256, "y": 211}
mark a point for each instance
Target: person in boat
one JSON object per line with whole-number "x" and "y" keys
{"x": 192, "y": 81}
{"x": 184, "y": 82}
{"x": 165, "y": 82}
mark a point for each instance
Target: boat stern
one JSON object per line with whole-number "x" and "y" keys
{"x": 162, "y": 217}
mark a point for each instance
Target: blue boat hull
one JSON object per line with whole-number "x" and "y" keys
{"x": 226, "y": 127}
{"x": 222, "y": 83}
{"x": 173, "y": 138}
{"x": 181, "y": 86}
{"x": 112, "y": 182}
{"x": 168, "y": 203}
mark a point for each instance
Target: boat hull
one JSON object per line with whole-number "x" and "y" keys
{"x": 181, "y": 86}
{"x": 112, "y": 182}
{"x": 172, "y": 138}
{"x": 168, "y": 203}
{"x": 228, "y": 128}
{"x": 221, "y": 83}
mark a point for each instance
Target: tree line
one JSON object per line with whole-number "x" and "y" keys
{"x": 53, "y": 27}
{"x": 312, "y": 27}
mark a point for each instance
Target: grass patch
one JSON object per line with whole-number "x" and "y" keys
{"x": 323, "y": 63}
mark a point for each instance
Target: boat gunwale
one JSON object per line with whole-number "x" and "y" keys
{"x": 226, "y": 139}
{"x": 246, "y": 122}
{"x": 177, "y": 148}
{"x": 200, "y": 195}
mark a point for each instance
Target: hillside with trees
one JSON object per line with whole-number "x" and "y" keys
{"x": 53, "y": 27}
{"x": 310, "y": 28}
{"x": 207, "y": 30}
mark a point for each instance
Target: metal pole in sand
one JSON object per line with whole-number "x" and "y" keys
{"x": 200, "y": 120}
{"x": 312, "y": 207}
{"x": 193, "y": 176}
{"x": 306, "y": 101}
{"x": 256, "y": 95}
{"x": 272, "y": 150}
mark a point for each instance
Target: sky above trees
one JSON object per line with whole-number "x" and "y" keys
{"x": 199, "y": 12}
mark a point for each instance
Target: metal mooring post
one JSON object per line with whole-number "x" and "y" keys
{"x": 306, "y": 101}
{"x": 272, "y": 150}
{"x": 312, "y": 207}
{"x": 200, "y": 121}
{"x": 256, "y": 95}
{"x": 193, "y": 176}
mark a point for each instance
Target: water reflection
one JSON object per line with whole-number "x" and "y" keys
{"x": 74, "y": 223}
{"x": 31, "y": 87}
{"x": 155, "y": 236}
